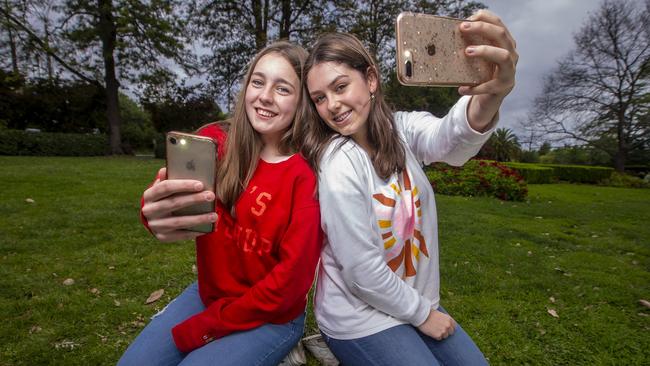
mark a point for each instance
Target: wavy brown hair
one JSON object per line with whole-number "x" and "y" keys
{"x": 387, "y": 155}
{"x": 244, "y": 144}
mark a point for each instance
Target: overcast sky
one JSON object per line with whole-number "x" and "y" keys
{"x": 544, "y": 32}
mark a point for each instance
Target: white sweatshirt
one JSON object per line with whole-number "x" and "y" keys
{"x": 379, "y": 263}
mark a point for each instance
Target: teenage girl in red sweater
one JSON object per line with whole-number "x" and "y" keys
{"x": 255, "y": 269}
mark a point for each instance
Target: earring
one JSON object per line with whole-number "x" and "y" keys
{"x": 372, "y": 96}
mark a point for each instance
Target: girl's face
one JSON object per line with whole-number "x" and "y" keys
{"x": 341, "y": 95}
{"x": 272, "y": 97}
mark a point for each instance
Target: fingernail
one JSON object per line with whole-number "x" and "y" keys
{"x": 466, "y": 25}
{"x": 213, "y": 217}
{"x": 208, "y": 196}
{"x": 470, "y": 50}
{"x": 198, "y": 186}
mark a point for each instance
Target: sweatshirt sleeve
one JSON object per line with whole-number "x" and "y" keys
{"x": 354, "y": 239}
{"x": 286, "y": 285}
{"x": 143, "y": 219}
{"x": 449, "y": 139}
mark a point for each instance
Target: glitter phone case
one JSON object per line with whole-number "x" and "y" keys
{"x": 431, "y": 52}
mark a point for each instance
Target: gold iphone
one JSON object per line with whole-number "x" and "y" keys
{"x": 193, "y": 157}
{"x": 431, "y": 52}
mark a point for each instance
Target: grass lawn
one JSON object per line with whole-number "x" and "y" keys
{"x": 581, "y": 251}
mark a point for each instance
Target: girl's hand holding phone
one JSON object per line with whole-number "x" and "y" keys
{"x": 168, "y": 195}
{"x": 487, "y": 97}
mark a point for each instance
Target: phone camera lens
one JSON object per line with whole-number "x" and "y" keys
{"x": 172, "y": 140}
{"x": 409, "y": 69}
{"x": 431, "y": 49}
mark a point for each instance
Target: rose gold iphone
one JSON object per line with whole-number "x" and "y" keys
{"x": 193, "y": 157}
{"x": 431, "y": 52}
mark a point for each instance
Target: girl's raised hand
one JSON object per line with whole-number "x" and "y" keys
{"x": 488, "y": 96}
{"x": 502, "y": 53}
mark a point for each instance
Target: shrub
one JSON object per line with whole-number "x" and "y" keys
{"x": 625, "y": 180}
{"x": 159, "y": 148}
{"x": 16, "y": 142}
{"x": 137, "y": 129}
{"x": 532, "y": 173}
{"x": 478, "y": 178}
{"x": 580, "y": 173}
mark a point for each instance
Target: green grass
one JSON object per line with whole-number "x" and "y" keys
{"x": 586, "y": 247}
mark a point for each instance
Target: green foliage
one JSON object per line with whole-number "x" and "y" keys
{"x": 51, "y": 105}
{"x": 533, "y": 174}
{"x": 137, "y": 129}
{"x": 548, "y": 173}
{"x": 579, "y": 173}
{"x": 576, "y": 155}
{"x": 477, "y": 178}
{"x": 407, "y": 98}
{"x": 545, "y": 148}
{"x": 159, "y": 150}
{"x": 626, "y": 181}
{"x": 503, "y": 145}
{"x": 529, "y": 156}
{"x": 15, "y": 142}
{"x": 182, "y": 109}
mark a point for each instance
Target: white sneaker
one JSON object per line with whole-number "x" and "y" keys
{"x": 316, "y": 345}
{"x": 296, "y": 357}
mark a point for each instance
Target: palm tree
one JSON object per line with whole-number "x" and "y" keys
{"x": 505, "y": 145}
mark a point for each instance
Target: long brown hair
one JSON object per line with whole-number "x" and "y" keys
{"x": 387, "y": 155}
{"x": 244, "y": 144}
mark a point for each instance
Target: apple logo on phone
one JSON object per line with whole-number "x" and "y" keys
{"x": 190, "y": 165}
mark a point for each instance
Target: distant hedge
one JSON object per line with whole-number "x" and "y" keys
{"x": 548, "y": 173}
{"x": 17, "y": 142}
{"x": 533, "y": 173}
{"x": 580, "y": 173}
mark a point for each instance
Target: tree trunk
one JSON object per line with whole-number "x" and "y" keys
{"x": 374, "y": 30}
{"x": 12, "y": 43}
{"x": 285, "y": 23}
{"x": 621, "y": 153}
{"x": 260, "y": 12}
{"x": 108, "y": 35}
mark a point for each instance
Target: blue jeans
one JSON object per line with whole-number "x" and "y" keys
{"x": 406, "y": 345}
{"x": 264, "y": 345}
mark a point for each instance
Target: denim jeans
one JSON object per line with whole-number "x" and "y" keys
{"x": 406, "y": 345}
{"x": 264, "y": 345}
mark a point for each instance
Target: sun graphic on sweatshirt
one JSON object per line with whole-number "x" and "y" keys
{"x": 399, "y": 215}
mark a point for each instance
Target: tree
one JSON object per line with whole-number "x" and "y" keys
{"x": 545, "y": 148}
{"x": 108, "y": 40}
{"x": 144, "y": 37}
{"x": 502, "y": 146}
{"x": 181, "y": 108}
{"x": 234, "y": 31}
{"x": 599, "y": 92}
{"x": 27, "y": 30}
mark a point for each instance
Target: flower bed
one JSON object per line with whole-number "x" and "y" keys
{"x": 478, "y": 178}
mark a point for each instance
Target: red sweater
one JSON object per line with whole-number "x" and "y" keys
{"x": 257, "y": 268}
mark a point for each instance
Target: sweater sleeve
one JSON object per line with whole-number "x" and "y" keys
{"x": 450, "y": 139}
{"x": 285, "y": 286}
{"x": 354, "y": 239}
{"x": 143, "y": 219}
